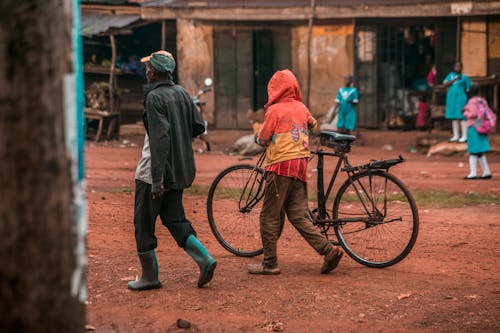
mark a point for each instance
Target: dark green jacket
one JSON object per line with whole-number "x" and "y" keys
{"x": 172, "y": 121}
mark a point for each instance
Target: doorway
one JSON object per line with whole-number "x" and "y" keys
{"x": 244, "y": 61}
{"x": 392, "y": 63}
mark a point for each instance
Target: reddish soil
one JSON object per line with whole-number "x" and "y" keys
{"x": 448, "y": 283}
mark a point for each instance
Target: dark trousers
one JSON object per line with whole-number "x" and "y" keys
{"x": 171, "y": 212}
{"x": 289, "y": 194}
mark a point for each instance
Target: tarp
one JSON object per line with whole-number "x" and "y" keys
{"x": 95, "y": 24}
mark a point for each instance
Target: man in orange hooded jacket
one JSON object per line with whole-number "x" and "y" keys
{"x": 285, "y": 134}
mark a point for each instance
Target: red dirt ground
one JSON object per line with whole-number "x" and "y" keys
{"x": 448, "y": 283}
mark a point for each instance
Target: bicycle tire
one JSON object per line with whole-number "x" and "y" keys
{"x": 383, "y": 243}
{"x": 227, "y": 222}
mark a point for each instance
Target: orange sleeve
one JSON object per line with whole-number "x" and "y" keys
{"x": 268, "y": 128}
{"x": 312, "y": 123}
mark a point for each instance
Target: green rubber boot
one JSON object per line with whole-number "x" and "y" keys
{"x": 200, "y": 255}
{"x": 149, "y": 279}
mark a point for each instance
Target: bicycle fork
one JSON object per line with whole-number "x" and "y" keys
{"x": 367, "y": 197}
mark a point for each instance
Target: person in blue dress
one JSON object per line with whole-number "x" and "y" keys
{"x": 477, "y": 143}
{"x": 458, "y": 84}
{"x": 347, "y": 98}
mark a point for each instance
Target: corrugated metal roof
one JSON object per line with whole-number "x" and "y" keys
{"x": 94, "y": 24}
{"x": 283, "y": 3}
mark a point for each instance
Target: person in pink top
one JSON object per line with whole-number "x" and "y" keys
{"x": 477, "y": 143}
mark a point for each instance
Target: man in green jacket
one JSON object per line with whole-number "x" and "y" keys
{"x": 166, "y": 168}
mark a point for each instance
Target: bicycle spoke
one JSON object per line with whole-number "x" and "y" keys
{"x": 234, "y": 207}
{"x": 388, "y": 222}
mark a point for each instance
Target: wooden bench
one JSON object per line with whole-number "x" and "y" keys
{"x": 112, "y": 120}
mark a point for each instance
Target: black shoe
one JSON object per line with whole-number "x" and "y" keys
{"x": 471, "y": 177}
{"x": 486, "y": 177}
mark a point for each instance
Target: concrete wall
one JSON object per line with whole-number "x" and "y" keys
{"x": 195, "y": 59}
{"x": 331, "y": 60}
{"x": 474, "y": 46}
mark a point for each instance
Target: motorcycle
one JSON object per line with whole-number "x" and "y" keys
{"x": 199, "y": 105}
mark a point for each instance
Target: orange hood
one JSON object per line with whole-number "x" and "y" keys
{"x": 283, "y": 87}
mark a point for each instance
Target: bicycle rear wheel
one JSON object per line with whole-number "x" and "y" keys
{"x": 235, "y": 224}
{"x": 383, "y": 218}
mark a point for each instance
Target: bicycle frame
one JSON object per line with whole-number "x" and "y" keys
{"x": 321, "y": 195}
{"x": 247, "y": 202}
{"x": 375, "y": 216}
{"x": 253, "y": 190}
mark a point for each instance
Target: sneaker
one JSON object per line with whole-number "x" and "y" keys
{"x": 263, "y": 270}
{"x": 486, "y": 176}
{"x": 331, "y": 260}
{"x": 453, "y": 140}
{"x": 471, "y": 177}
{"x": 462, "y": 140}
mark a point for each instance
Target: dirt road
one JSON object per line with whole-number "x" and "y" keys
{"x": 449, "y": 282}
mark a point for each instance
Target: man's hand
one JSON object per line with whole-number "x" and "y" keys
{"x": 159, "y": 194}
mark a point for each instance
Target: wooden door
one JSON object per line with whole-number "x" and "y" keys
{"x": 233, "y": 57}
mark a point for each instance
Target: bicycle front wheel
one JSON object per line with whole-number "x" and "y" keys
{"x": 233, "y": 208}
{"x": 378, "y": 218}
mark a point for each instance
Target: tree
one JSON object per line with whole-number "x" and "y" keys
{"x": 36, "y": 223}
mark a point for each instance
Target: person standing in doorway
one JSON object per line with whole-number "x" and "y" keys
{"x": 166, "y": 168}
{"x": 477, "y": 143}
{"x": 458, "y": 85}
{"x": 347, "y": 98}
{"x": 285, "y": 134}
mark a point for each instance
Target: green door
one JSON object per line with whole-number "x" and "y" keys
{"x": 244, "y": 61}
{"x": 263, "y": 53}
{"x": 271, "y": 53}
{"x": 233, "y": 64}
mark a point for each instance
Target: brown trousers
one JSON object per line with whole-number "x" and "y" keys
{"x": 289, "y": 194}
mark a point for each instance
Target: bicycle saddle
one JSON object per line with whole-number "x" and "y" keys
{"x": 337, "y": 137}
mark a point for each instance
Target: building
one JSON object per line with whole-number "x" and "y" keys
{"x": 389, "y": 46}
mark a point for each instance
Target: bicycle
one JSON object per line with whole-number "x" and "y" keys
{"x": 374, "y": 216}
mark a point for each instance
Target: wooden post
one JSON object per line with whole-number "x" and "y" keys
{"x": 37, "y": 217}
{"x": 163, "y": 34}
{"x": 112, "y": 73}
{"x": 309, "y": 32}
